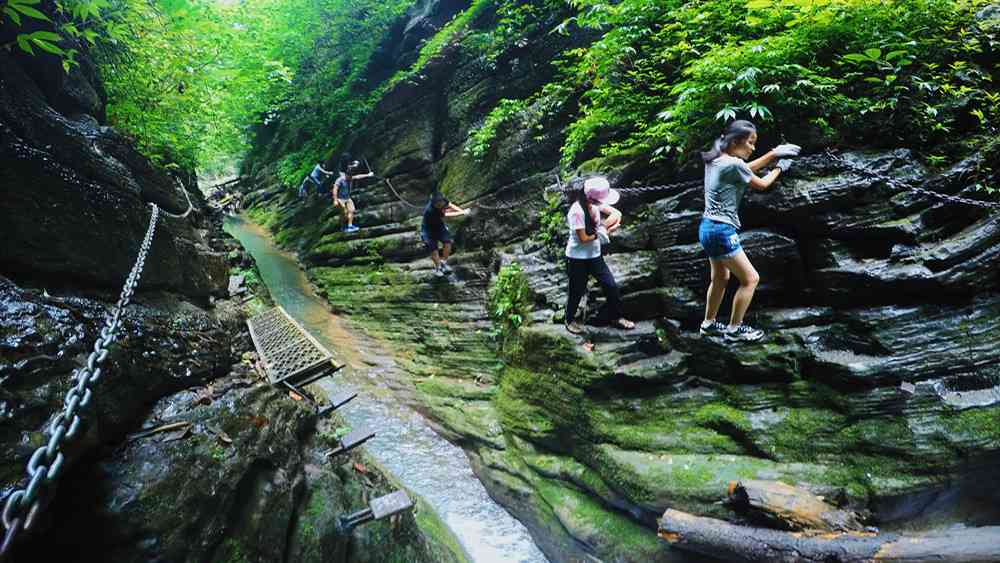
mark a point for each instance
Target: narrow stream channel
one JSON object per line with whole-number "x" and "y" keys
{"x": 425, "y": 463}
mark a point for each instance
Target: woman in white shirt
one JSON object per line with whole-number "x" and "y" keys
{"x": 583, "y": 251}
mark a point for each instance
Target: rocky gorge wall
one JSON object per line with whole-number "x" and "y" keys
{"x": 238, "y": 474}
{"x": 877, "y": 385}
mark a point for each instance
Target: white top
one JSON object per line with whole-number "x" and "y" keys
{"x": 574, "y": 247}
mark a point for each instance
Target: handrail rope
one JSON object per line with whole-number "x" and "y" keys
{"x": 46, "y": 462}
{"x": 917, "y": 189}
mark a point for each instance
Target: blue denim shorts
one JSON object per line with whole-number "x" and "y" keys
{"x": 432, "y": 238}
{"x": 720, "y": 240}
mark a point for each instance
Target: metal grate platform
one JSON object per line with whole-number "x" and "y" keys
{"x": 287, "y": 351}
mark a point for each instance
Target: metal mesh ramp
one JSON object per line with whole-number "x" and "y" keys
{"x": 287, "y": 351}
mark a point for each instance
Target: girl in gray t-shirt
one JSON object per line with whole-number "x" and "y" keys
{"x": 727, "y": 176}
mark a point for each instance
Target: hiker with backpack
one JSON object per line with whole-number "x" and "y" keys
{"x": 587, "y": 232}
{"x": 434, "y": 232}
{"x": 341, "y": 192}
{"x": 727, "y": 176}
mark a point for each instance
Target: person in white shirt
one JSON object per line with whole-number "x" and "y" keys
{"x": 587, "y": 230}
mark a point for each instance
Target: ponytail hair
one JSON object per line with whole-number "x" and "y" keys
{"x": 738, "y": 130}
{"x": 590, "y": 226}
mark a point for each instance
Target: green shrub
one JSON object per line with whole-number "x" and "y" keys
{"x": 509, "y": 302}
{"x": 666, "y": 75}
{"x": 552, "y": 225}
{"x": 481, "y": 138}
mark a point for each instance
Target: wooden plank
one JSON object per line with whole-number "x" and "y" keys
{"x": 390, "y": 504}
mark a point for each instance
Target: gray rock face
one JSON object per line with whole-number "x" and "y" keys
{"x": 75, "y": 201}
{"x": 244, "y": 479}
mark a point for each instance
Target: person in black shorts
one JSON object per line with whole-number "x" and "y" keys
{"x": 434, "y": 232}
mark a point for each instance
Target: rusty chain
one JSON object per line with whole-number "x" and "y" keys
{"x": 916, "y": 189}
{"x": 23, "y": 505}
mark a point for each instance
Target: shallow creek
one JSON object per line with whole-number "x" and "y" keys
{"x": 404, "y": 444}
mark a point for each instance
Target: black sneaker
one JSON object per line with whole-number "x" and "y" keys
{"x": 714, "y": 328}
{"x": 744, "y": 333}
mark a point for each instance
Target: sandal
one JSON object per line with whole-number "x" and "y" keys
{"x": 574, "y": 328}
{"x": 624, "y": 324}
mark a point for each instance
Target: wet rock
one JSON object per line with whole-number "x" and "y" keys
{"x": 240, "y": 480}
{"x": 82, "y": 217}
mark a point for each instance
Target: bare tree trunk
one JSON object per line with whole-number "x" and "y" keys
{"x": 790, "y": 508}
{"x": 730, "y": 542}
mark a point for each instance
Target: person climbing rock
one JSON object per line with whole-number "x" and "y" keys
{"x": 587, "y": 231}
{"x": 342, "y": 192}
{"x": 727, "y": 175}
{"x": 318, "y": 177}
{"x": 433, "y": 231}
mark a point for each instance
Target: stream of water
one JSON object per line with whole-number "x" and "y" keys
{"x": 425, "y": 463}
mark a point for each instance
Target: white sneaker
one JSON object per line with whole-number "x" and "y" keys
{"x": 744, "y": 333}
{"x": 438, "y": 271}
{"x": 712, "y": 328}
{"x": 445, "y": 268}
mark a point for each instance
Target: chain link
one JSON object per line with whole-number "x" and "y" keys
{"x": 23, "y": 505}
{"x": 504, "y": 205}
{"x": 916, "y": 189}
{"x": 399, "y": 197}
{"x": 631, "y": 190}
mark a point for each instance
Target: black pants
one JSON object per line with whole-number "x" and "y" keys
{"x": 579, "y": 270}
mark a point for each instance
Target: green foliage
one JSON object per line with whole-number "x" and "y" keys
{"x": 481, "y": 138}
{"x": 509, "y": 301}
{"x": 666, "y": 75}
{"x": 552, "y": 224}
{"x": 331, "y": 44}
{"x": 451, "y": 32}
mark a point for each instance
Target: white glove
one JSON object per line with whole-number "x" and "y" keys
{"x": 787, "y": 149}
{"x": 602, "y": 235}
{"x": 784, "y": 164}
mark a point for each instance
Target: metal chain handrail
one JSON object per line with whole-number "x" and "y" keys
{"x": 187, "y": 197}
{"x": 916, "y": 189}
{"x": 23, "y": 505}
{"x": 504, "y": 205}
{"x": 399, "y": 197}
{"x": 632, "y": 190}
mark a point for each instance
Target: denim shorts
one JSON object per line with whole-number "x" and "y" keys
{"x": 720, "y": 240}
{"x": 432, "y": 238}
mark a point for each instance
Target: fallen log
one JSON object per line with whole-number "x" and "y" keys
{"x": 729, "y": 542}
{"x": 790, "y": 508}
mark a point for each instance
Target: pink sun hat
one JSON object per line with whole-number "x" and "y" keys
{"x": 598, "y": 189}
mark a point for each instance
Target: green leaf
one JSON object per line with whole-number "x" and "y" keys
{"x": 46, "y": 36}
{"x": 30, "y": 12}
{"x": 24, "y": 44}
{"x": 874, "y": 53}
{"x": 856, "y": 57}
{"x": 894, "y": 55}
{"x": 46, "y": 46}
{"x": 12, "y": 15}
{"x": 873, "y": 80}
